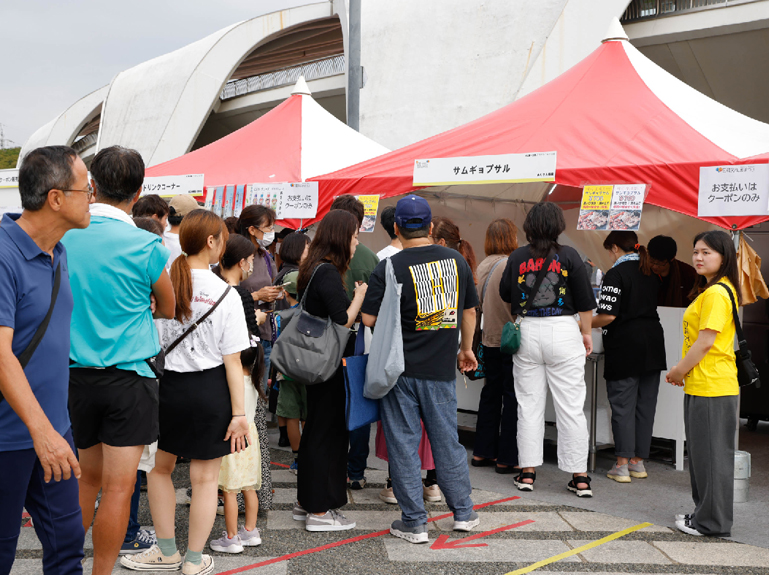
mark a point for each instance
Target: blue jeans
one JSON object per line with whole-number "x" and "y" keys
{"x": 436, "y": 403}
{"x": 358, "y": 454}
{"x": 54, "y": 507}
{"x": 133, "y": 518}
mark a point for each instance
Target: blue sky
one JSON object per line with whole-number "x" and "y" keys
{"x": 56, "y": 52}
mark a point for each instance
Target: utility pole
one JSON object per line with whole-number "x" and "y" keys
{"x": 3, "y": 140}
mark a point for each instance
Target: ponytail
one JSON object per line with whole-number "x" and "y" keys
{"x": 252, "y": 359}
{"x": 643, "y": 260}
{"x": 181, "y": 278}
{"x": 466, "y": 249}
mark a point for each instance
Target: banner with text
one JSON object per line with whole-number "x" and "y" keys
{"x": 9, "y": 179}
{"x": 290, "y": 200}
{"x": 511, "y": 168}
{"x": 370, "y": 208}
{"x": 734, "y": 190}
{"x": 611, "y": 207}
{"x": 169, "y": 186}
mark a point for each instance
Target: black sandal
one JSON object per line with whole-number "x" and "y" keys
{"x": 576, "y": 480}
{"x": 518, "y": 480}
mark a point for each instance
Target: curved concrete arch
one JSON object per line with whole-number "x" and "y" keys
{"x": 159, "y": 106}
{"x": 63, "y": 129}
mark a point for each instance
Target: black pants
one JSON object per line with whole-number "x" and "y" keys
{"x": 322, "y": 479}
{"x": 710, "y": 424}
{"x": 497, "y": 405}
{"x": 633, "y": 403}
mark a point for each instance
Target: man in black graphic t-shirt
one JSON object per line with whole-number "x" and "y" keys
{"x": 438, "y": 301}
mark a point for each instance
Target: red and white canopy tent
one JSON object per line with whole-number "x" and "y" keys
{"x": 615, "y": 117}
{"x": 292, "y": 142}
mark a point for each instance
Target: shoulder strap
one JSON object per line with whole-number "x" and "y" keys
{"x": 195, "y": 325}
{"x": 307, "y": 287}
{"x": 535, "y": 288}
{"x": 488, "y": 277}
{"x": 26, "y": 355}
{"x": 740, "y": 335}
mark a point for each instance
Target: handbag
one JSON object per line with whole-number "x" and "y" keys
{"x": 359, "y": 410}
{"x": 478, "y": 347}
{"x": 386, "y": 362}
{"x": 26, "y": 355}
{"x": 747, "y": 372}
{"x": 310, "y": 348}
{"x": 158, "y": 363}
{"x": 511, "y": 333}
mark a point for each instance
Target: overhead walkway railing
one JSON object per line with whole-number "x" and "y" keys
{"x": 314, "y": 70}
{"x": 644, "y": 9}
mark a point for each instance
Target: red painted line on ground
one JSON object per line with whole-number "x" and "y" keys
{"x": 280, "y": 464}
{"x": 347, "y": 541}
{"x": 443, "y": 541}
{"x": 26, "y": 515}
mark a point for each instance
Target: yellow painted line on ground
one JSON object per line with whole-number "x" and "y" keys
{"x": 578, "y": 550}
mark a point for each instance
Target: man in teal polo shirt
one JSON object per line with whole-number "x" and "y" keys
{"x": 35, "y": 438}
{"x": 115, "y": 269}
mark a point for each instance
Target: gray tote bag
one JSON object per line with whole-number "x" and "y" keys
{"x": 385, "y": 358}
{"x": 310, "y": 348}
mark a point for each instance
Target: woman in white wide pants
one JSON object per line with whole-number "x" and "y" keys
{"x": 554, "y": 345}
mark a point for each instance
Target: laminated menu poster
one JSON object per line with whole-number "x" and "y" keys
{"x": 218, "y": 200}
{"x": 594, "y": 210}
{"x": 611, "y": 207}
{"x": 229, "y": 199}
{"x": 370, "y": 207}
{"x": 627, "y": 203}
{"x": 240, "y": 196}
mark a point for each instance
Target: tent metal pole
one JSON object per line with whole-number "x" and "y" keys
{"x": 354, "y": 70}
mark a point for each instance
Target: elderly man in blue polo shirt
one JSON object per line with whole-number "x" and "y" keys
{"x": 35, "y": 437}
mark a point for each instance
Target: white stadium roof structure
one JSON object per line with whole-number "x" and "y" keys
{"x": 183, "y": 100}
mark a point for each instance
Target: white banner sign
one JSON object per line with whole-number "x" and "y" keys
{"x": 297, "y": 200}
{"x": 169, "y": 186}
{"x": 734, "y": 190}
{"x": 9, "y": 179}
{"x": 532, "y": 167}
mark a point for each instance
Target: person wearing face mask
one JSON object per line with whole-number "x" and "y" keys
{"x": 256, "y": 224}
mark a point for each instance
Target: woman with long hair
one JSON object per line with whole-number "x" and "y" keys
{"x": 322, "y": 484}
{"x": 446, "y": 233}
{"x": 634, "y": 344}
{"x": 553, "y": 346}
{"x": 257, "y": 225}
{"x": 708, "y": 374}
{"x": 202, "y": 412}
{"x": 497, "y": 404}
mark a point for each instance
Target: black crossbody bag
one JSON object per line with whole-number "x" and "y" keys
{"x": 26, "y": 355}
{"x": 158, "y": 363}
{"x": 747, "y": 372}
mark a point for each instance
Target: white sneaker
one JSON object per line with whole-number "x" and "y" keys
{"x": 152, "y": 560}
{"x": 687, "y": 527}
{"x": 468, "y": 525}
{"x": 206, "y": 566}
{"x": 332, "y": 520}
{"x": 227, "y": 544}
{"x": 249, "y": 538}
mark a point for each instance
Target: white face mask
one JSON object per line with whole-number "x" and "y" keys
{"x": 268, "y": 238}
{"x": 245, "y": 274}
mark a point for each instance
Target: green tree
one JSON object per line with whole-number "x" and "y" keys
{"x": 9, "y": 157}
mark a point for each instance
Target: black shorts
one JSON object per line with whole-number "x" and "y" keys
{"x": 112, "y": 406}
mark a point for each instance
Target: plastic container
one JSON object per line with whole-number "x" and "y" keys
{"x": 742, "y": 470}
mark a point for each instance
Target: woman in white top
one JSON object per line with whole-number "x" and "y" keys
{"x": 202, "y": 412}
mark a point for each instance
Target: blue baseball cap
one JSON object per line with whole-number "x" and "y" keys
{"x": 413, "y": 208}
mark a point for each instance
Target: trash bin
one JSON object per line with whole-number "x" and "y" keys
{"x": 741, "y": 476}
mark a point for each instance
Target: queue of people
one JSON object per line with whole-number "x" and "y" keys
{"x": 108, "y": 355}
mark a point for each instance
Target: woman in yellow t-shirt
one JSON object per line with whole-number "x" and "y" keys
{"x": 708, "y": 374}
